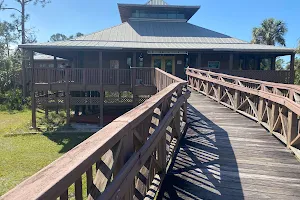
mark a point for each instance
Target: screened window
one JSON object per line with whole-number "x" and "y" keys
{"x": 172, "y": 15}
{"x": 158, "y": 15}
{"x": 114, "y": 64}
{"x": 129, "y": 62}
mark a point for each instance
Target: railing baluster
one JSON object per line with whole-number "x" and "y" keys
{"x": 65, "y": 195}
{"x": 78, "y": 189}
{"x": 89, "y": 180}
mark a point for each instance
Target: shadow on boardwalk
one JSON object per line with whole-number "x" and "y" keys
{"x": 196, "y": 172}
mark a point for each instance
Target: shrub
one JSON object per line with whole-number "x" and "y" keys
{"x": 53, "y": 122}
{"x": 13, "y": 100}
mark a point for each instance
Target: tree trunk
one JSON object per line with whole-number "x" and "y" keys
{"x": 23, "y": 21}
{"x": 23, "y": 52}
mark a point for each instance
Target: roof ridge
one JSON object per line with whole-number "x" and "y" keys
{"x": 90, "y": 34}
{"x": 217, "y": 32}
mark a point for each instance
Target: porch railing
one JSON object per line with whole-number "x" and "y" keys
{"x": 128, "y": 158}
{"x": 91, "y": 76}
{"x": 275, "y": 106}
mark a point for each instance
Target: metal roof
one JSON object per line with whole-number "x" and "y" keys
{"x": 158, "y": 35}
{"x": 156, "y": 2}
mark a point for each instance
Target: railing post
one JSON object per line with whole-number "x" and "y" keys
{"x": 118, "y": 82}
{"x": 84, "y": 78}
{"x": 162, "y": 157}
{"x": 33, "y": 98}
{"x": 207, "y": 88}
{"x": 133, "y": 85}
{"x": 49, "y": 78}
{"x": 237, "y": 97}
{"x": 125, "y": 153}
{"x": 292, "y": 123}
{"x": 274, "y": 115}
{"x": 67, "y": 95}
{"x": 102, "y": 97}
{"x": 261, "y": 105}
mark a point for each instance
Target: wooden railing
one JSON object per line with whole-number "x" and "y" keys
{"x": 91, "y": 76}
{"x": 282, "y": 76}
{"x": 275, "y": 106}
{"x": 128, "y": 158}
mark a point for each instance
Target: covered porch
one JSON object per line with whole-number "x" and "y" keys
{"x": 254, "y": 65}
{"x": 94, "y": 79}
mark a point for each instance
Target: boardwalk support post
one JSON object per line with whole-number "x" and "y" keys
{"x": 33, "y": 98}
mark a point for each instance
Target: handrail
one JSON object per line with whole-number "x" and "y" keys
{"x": 89, "y": 76}
{"x": 139, "y": 143}
{"x": 270, "y": 85}
{"x": 282, "y": 76}
{"x": 275, "y": 106}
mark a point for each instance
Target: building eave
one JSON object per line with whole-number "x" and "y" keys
{"x": 253, "y": 50}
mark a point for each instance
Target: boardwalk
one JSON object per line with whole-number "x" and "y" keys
{"x": 225, "y": 155}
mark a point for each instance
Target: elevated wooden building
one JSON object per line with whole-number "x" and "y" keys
{"x": 115, "y": 66}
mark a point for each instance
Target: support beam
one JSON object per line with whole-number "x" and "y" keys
{"x": 67, "y": 96}
{"x": 231, "y": 61}
{"x": 273, "y": 63}
{"x": 134, "y": 59}
{"x": 199, "y": 61}
{"x": 133, "y": 80}
{"x": 33, "y": 99}
{"x": 55, "y": 62}
{"x": 258, "y": 60}
{"x": 102, "y": 93}
{"x": 244, "y": 62}
{"x": 24, "y": 74}
{"x": 46, "y": 107}
{"x": 55, "y": 66}
{"x": 292, "y": 69}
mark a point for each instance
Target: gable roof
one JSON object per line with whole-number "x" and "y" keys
{"x": 158, "y": 35}
{"x": 156, "y": 2}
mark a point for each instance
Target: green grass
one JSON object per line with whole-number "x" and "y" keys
{"x": 23, "y": 152}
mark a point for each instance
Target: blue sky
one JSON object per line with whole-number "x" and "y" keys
{"x": 232, "y": 17}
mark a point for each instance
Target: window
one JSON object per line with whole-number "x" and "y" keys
{"x": 172, "y": 15}
{"x": 141, "y": 60}
{"x": 214, "y": 64}
{"x": 162, "y": 15}
{"x": 158, "y": 15}
{"x": 180, "y": 16}
{"x": 114, "y": 64}
{"x": 129, "y": 62}
{"x": 143, "y": 14}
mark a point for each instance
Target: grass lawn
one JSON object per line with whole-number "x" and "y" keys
{"x": 22, "y": 153}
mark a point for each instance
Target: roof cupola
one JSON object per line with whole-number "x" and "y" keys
{"x": 156, "y": 10}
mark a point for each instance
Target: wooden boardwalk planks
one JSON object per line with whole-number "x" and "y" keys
{"x": 225, "y": 155}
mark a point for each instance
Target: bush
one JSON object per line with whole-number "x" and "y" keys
{"x": 53, "y": 122}
{"x": 12, "y": 100}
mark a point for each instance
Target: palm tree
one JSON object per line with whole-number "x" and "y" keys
{"x": 298, "y": 49}
{"x": 270, "y": 32}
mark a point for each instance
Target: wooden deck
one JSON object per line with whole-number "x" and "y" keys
{"x": 225, "y": 155}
